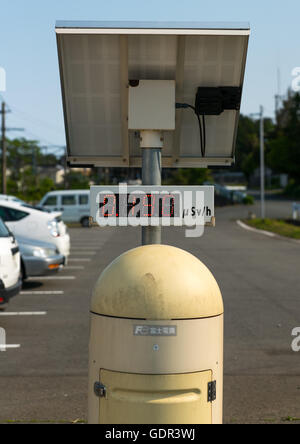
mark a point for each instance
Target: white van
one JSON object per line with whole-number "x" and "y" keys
{"x": 10, "y": 266}
{"x": 74, "y": 205}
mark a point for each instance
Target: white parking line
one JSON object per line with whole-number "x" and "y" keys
{"x": 85, "y": 248}
{"x": 41, "y": 292}
{"x": 3, "y": 348}
{"x": 24, "y": 313}
{"x": 83, "y": 244}
{"x": 79, "y": 260}
{"x": 84, "y": 253}
{"x": 52, "y": 278}
{"x": 92, "y": 245}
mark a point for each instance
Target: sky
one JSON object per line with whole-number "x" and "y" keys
{"x": 29, "y": 56}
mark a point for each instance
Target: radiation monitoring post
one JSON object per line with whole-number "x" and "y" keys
{"x": 147, "y": 433}
{"x": 153, "y": 95}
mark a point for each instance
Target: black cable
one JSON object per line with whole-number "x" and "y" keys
{"x": 201, "y": 135}
{"x": 185, "y": 106}
{"x": 202, "y": 131}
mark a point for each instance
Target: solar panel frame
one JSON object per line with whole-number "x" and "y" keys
{"x": 129, "y": 35}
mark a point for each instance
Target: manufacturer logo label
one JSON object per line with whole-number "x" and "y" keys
{"x": 155, "y": 330}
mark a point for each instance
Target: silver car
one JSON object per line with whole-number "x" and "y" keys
{"x": 39, "y": 258}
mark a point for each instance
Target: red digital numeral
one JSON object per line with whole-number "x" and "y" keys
{"x": 110, "y": 202}
{"x": 148, "y": 205}
{"x": 168, "y": 210}
{"x": 133, "y": 206}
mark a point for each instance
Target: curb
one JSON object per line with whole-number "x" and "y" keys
{"x": 266, "y": 233}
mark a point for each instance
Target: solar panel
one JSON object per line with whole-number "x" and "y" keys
{"x": 97, "y": 61}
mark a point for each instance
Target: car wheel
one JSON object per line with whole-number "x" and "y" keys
{"x": 85, "y": 222}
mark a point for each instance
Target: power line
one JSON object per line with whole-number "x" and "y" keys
{"x": 58, "y": 149}
{"x": 42, "y": 140}
{"x": 37, "y": 121}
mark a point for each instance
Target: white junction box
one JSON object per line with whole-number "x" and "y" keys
{"x": 152, "y": 105}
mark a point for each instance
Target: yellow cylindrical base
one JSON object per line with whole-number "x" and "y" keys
{"x": 155, "y": 366}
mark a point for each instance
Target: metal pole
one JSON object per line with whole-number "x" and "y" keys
{"x": 262, "y": 164}
{"x": 151, "y": 175}
{"x": 3, "y": 148}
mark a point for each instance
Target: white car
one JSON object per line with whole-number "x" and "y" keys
{"x": 10, "y": 266}
{"x": 28, "y": 222}
{"x": 9, "y": 198}
{"x": 14, "y": 199}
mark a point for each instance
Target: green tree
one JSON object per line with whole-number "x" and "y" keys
{"x": 188, "y": 176}
{"x": 30, "y": 187}
{"x": 23, "y": 158}
{"x": 22, "y": 154}
{"x": 248, "y": 144}
{"x": 76, "y": 181}
{"x": 284, "y": 149}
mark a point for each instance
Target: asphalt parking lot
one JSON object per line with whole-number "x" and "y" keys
{"x": 44, "y": 375}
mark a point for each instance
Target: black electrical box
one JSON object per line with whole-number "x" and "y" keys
{"x": 212, "y": 101}
{"x": 232, "y": 97}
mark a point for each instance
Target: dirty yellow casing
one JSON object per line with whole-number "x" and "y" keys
{"x": 156, "y": 343}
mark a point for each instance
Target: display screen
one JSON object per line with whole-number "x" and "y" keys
{"x": 152, "y": 205}
{"x": 139, "y": 205}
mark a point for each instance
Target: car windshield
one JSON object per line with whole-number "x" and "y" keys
{"x": 3, "y": 230}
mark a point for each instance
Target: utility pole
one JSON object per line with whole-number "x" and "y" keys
{"x": 4, "y": 129}
{"x": 262, "y": 159}
{"x": 262, "y": 163}
{"x": 3, "y": 148}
